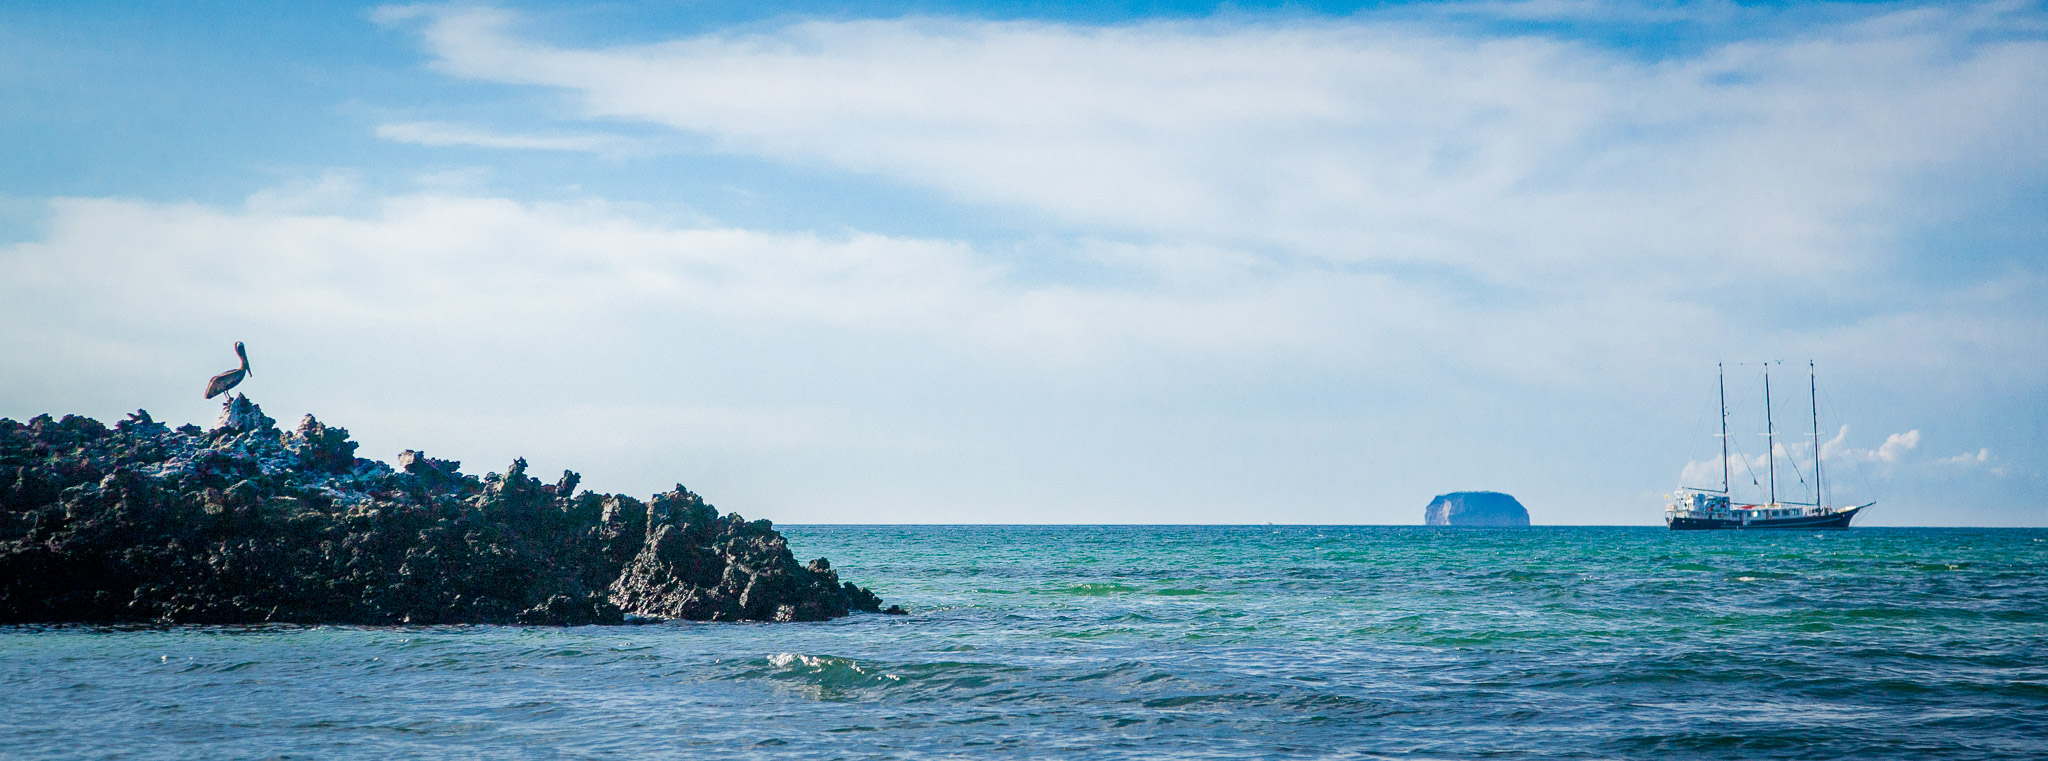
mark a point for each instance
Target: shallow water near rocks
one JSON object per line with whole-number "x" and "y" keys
{"x": 1151, "y": 642}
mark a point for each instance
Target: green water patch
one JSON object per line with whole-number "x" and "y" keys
{"x": 1888, "y": 613}
{"x": 1094, "y": 633}
{"x": 1470, "y": 639}
{"x": 1177, "y": 592}
{"x": 1094, "y": 590}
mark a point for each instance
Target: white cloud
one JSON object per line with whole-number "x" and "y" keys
{"x": 326, "y": 252}
{"x": 1837, "y": 446}
{"x": 1897, "y": 445}
{"x": 457, "y": 323}
{"x": 1705, "y": 474}
{"x": 476, "y": 262}
{"x": 443, "y": 134}
{"x": 1621, "y": 205}
{"x": 484, "y": 328}
{"x": 1507, "y": 158}
{"x": 1894, "y": 448}
{"x": 1966, "y": 458}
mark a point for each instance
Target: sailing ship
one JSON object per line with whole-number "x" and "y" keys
{"x": 1693, "y": 508}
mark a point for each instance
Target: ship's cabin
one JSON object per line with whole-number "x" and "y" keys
{"x": 1689, "y": 502}
{"x": 1781, "y": 510}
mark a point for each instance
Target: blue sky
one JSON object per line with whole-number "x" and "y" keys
{"x": 1026, "y": 262}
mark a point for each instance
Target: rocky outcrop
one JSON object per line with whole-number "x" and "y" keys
{"x": 1475, "y": 508}
{"x": 245, "y": 523}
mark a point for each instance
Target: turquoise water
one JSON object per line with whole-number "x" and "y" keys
{"x": 1152, "y": 642}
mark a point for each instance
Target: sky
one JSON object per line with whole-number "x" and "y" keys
{"x": 1027, "y": 262}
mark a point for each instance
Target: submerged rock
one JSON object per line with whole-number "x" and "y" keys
{"x": 246, "y": 524}
{"x": 1475, "y": 508}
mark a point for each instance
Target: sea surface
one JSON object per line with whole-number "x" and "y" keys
{"x": 1148, "y": 642}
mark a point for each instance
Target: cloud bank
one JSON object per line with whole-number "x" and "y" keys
{"x": 1508, "y": 158}
{"x": 1313, "y": 271}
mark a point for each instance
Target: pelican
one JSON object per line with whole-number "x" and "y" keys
{"x": 227, "y": 380}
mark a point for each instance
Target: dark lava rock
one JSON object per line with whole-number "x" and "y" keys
{"x": 247, "y": 524}
{"x": 1475, "y": 508}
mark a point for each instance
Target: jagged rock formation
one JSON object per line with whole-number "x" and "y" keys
{"x": 1475, "y": 508}
{"x": 245, "y": 523}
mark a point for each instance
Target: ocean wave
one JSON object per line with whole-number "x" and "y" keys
{"x": 830, "y": 677}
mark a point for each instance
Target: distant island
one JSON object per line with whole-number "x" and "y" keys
{"x": 1475, "y": 508}
{"x": 245, "y": 524}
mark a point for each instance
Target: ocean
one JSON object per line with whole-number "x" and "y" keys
{"x": 1150, "y": 642}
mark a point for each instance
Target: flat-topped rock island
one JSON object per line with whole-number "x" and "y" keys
{"x": 1475, "y": 508}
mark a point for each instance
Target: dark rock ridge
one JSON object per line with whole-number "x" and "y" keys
{"x": 1475, "y": 508}
{"x": 246, "y": 523}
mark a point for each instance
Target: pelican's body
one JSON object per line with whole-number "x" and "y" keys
{"x": 227, "y": 380}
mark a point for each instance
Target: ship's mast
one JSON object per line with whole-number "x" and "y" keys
{"x": 1813, "y": 397}
{"x": 1721, "y": 384}
{"x": 1770, "y": 434}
